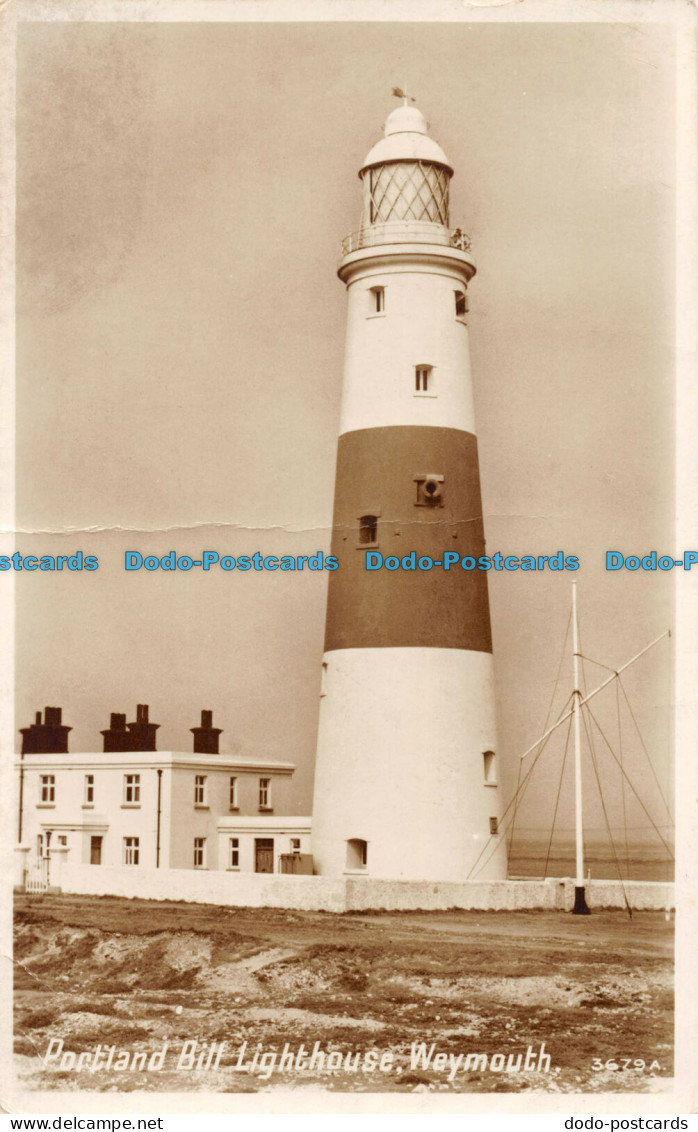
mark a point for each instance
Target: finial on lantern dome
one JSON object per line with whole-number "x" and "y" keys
{"x": 398, "y": 93}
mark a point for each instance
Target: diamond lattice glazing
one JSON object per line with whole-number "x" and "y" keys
{"x": 407, "y": 190}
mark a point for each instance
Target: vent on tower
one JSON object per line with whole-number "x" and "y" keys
{"x": 430, "y": 490}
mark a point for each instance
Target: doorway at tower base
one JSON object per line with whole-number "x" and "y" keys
{"x": 406, "y": 775}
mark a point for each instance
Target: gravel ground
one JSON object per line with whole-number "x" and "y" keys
{"x": 197, "y": 997}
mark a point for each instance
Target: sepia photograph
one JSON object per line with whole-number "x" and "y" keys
{"x": 346, "y": 725}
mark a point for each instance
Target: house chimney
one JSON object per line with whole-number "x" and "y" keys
{"x": 142, "y": 732}
{"x": 47, "y": 738}
{"x": 116, "y": 737}
{"x": 206, "y": 736}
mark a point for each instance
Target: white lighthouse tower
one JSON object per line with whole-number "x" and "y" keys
{"x": 406, "y": 771}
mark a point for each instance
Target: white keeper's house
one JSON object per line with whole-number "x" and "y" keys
{"x": 131, "y": 805}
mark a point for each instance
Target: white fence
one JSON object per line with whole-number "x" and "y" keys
{"x": 351, "y": 894}
{"x": 36, "y": 875}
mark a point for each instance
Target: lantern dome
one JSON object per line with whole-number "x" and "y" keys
{"x": 405, "y": 138}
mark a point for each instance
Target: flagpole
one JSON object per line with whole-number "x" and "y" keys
{"x": 580, "y": 904}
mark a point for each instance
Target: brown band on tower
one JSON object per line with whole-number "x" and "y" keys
{"x": 379, "y": 477}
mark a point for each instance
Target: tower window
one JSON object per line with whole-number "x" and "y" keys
{"x": 233, "y": 793}
{"x": 89, "y": 790}
{"x": 368, "y": 529}
{"x": 490, "y": 768}
{"x": 357, "y": 853}
{"x": 494, "y": 825}
{"x": 461, "y": 304}
{"x": 377, "y": 300}
{"x": 423, "y": 379}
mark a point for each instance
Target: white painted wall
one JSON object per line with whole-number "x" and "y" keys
{"x": 281, "y": 830}
{"x": 110, "y": 817}
{"x": 419, "y": 326}
{"x": 327, "y": 894}
{"x": 244, "y": 890}
{"x": 400, "y": 763}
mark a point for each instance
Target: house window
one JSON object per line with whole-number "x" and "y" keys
{"x": 265, "y": 793}
{"x": 40, "y": 845}
{"x": 89, "y": 789}
{"x": 461, "y": 304}
{"x": 62, "y": 839}
{"x": 295, "y": 844}
{"x": 490, "y": 768}
{"x": 423, "y": 379}
{"x": 199, "y": 852}
{"x": 233, "y": 793}
{"x": 132, "y": 850}
{"x": 234, "y": 859}
{"x": 357, "y": 853}
{"x": 132, "y": 789}
{"x": 494, "y": 825}
{"x": 200, "y": 790}
{"x": 377, "y": 300}
{"x": 48, "y": 789}
{"x": 368, "y": 529}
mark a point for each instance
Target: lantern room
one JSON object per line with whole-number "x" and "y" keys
{"x": 406, "y": 175}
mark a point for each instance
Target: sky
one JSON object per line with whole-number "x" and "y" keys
{"x": 182, "y": 193}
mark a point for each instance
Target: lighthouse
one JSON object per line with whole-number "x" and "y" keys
{"x": 406, "y": 778}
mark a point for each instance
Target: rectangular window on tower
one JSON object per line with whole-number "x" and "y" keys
{"x": 490, "y": 768}
{"x": 461, "y": 304}
{"x": 368, "y": 530}
{"x": 494, "y": 825}
{"x": 377, "y": 300}
{"x": 424, "y": 381}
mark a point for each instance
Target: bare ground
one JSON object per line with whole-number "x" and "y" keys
{"x": 103, "y": 972}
